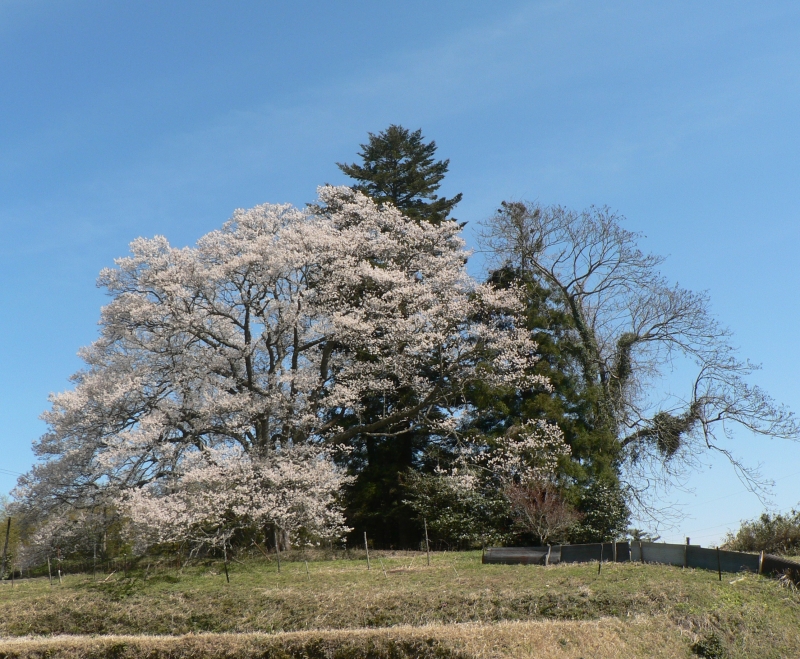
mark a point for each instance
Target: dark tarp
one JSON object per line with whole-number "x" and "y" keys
{"x": 774, "y": 566}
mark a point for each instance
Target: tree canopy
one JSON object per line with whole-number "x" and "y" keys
{"x": 625, "y": 325}
{"x": 313, "y": 372}
{"x": 399, "y": 167}
{"x": 217, "y": 364}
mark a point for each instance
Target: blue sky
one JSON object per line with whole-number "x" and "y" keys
{"x": 125, "y": 119}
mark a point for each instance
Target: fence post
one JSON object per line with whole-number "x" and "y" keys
{"x": 5, "y": 550}
{"x": 641, "y": 552}
{"x": 719, "y": 565}
{"x": 614, "y": 550}
{"x": 761, "y": 562}
{"x": 686, "y": 554}
{"x": 366, "y": 547}
{"x": 600, "y": 562}
{"x": 49, "y": 571}
{"x": 547, "y": 557}
{"x": 277, "y": 549}
{"x": 427, "y": 545}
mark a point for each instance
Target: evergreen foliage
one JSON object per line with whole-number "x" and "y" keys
{"x": 399, "y": 167}
{"x": 604, "y": 513}
{"x": 458, "y": 517}
{"x": 573, "y": 405}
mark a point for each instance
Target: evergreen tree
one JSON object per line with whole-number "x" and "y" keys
{"x": 572, "y": 405}
{"x": 399, "y": 167}
{"x": 594, "y": 462}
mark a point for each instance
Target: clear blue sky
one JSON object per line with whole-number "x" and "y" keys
{"x": 122, "y": 119}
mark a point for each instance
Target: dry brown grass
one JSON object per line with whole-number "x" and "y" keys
{"x": 600, "y": 639}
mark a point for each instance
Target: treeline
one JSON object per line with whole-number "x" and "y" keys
{"x": 308, "y": 375}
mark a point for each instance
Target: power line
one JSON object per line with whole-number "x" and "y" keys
{"x": 738, "y": 492}
{"x": 708, "y": 528}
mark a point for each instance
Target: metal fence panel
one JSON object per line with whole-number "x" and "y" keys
{"x": 737, "y": 561}
{"x": 653, "y": 552}
{"x": 663, "y": 553}
{"x": 705, "y": 559}
{"x": 623, "y": 552}
{"x": 580, "y": 553}
{"x": 592, "y": 552}
{"x": 636, "y": 555}
{"x": 639, "y": 547}
{"x": 727, "y": 561}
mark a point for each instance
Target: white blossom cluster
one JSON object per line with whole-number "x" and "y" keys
{"x": 526, "y": 454}
{"x": 222, "y": 370}
{"x": 224, "y": 490}
{"x": 529, "y": 453}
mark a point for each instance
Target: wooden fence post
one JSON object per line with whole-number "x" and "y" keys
{"x": 277, "y": 549}
{"x": 761, "y": 562}
{"x": 427, "y": 545}
{"x": 719, "y": 565}
{"x": 547, "y": 556}
{"x": 366, "y": 547}
{"x": 49, "y": 571}
{"x": 641, "y": 552}
{"x": 5, "y": 550}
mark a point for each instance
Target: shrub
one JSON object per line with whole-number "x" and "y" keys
{"x": 775, "y": 534}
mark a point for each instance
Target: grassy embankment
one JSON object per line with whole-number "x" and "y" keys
{"x": 455, "y": 607}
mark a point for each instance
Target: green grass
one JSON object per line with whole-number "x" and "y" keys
{"x": 742, "y": 616}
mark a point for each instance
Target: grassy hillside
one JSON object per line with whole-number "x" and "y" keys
{"x": 455, "y": 607}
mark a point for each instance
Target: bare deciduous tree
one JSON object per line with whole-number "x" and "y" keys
{"x": 539, "y": 508}
{"x": 630, "y": 326}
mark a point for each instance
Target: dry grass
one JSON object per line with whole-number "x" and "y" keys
{"x": 463, "y": 607}
{"x": 601, "y": 639}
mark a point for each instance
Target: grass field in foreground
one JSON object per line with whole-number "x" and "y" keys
{"x": 456, "y": 607}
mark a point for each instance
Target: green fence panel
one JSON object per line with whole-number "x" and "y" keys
{"x": 727, "y": 561}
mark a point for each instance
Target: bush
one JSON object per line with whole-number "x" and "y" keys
{"x": 459, "y": 514}
{"x": 604, "y": 514}
{"x": 775, "y": 534}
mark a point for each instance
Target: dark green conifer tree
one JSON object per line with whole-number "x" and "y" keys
{"x": 593, "y": 465}
{"x": 397, "y": 167}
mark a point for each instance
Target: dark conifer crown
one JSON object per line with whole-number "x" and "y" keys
{"x": 399, "y": 167}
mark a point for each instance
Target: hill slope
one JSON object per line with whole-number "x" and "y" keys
{"x": 456, "y": 607}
